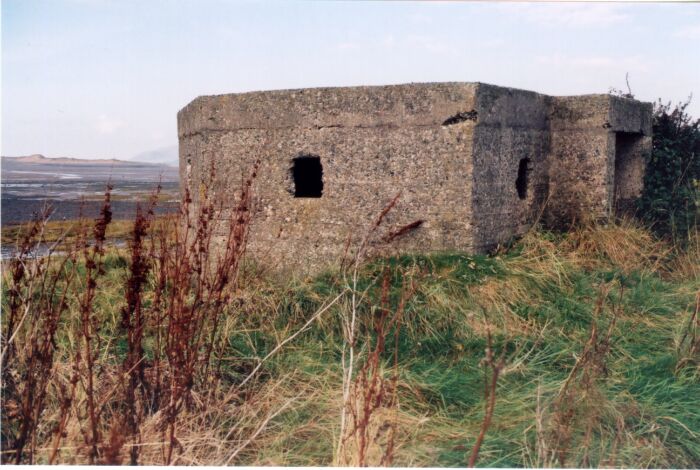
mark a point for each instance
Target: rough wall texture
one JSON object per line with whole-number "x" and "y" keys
{"x": 583, "y": 155}
{"x": 372, "y": 142}
{"x": 478, "y": 164}
{"x": 511, "y": 131}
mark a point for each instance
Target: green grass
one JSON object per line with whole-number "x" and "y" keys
{"x": 538, "y": 302}
{"x": 440, "y": 354}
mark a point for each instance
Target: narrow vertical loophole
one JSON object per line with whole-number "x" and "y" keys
{"x": 522, "y": 180}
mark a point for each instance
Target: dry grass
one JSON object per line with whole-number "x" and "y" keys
{"x": 107, "y": 403}
{"x": 66, "y": 231}
{"x": 625, "y": 244}
{"x": 686, "y": 260}
{"x": 197, "y": 365}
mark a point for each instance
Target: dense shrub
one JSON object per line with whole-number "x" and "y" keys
{"x": 670, "y": 200}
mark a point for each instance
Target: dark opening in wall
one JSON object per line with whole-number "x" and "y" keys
{"x": 629, "y": 170}
{"x": 308, "y": 176}
{"x": 461, "y": 117}
{"x": 521, "y": 181}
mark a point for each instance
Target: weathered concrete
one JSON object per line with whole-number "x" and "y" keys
{"x": 584, "y": 155}
{"x": 479, "y": 164}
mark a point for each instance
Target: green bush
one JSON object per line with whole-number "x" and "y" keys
{"x": 670, "y": 200}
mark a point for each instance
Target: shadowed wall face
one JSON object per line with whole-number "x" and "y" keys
{"x": 631, "y": 149}
{"x": 511, "y": 141}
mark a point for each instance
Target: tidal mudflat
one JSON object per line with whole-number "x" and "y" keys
{"x": 75, "y": 188}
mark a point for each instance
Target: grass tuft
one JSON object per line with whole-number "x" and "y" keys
{"x": 196, "y": 364}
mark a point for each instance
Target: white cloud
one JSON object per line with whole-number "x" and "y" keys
{"x": 420, "y": 43}
{"x": 630, "y": 64}
{"x": 495, "y": 42}
{"x": 428, "y": 43}
{"x": 91, "y": 2}
{"x": 345, "y": 46}
{"x": 389, "y": 41}
{"x": 421, "y": 19}
{"x": 689, "y": 32}
{"x": 107, "y": 125}
{"x": 568, "y": 14}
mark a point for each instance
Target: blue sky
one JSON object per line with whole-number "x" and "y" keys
{"x": 105, "y": 78}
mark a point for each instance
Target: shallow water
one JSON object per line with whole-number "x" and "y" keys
{"x": 77, "y": 189}
{"x": 40, "y": 250}
{"x": 20, "y": 203}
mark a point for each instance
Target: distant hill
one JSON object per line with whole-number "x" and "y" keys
{"x": 38, "y": 158}
{"x": 164, "y": 155}
{"x": 38, "y": 168}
